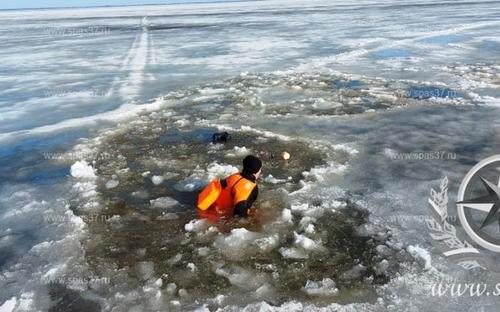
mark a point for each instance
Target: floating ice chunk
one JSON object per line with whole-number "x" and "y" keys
{"x": 346, "y": 148}
{"x": 146, "y": 173}
{"x": 157, "y": 180}
{"x": 239, "y": 152}
{"x": 236, "y": 243}
{"x": 54, "y": 273}
{"x": 219, "y": 299}
{"x": 325, "y": 287}
{"x": 145, "y": 270}
{"x": 300, "y": 207}
{"x": 203, "y": 251}
{"x": 273, "y": 180}
{"x": 321, "y": 173}
{"x": 171, "y": 288}
{"x": 382, "y": 267}
{"x": 141, "y": 252}
{"x": 191, "y": 266}
{"x": 183, "y": 293}
{"x": 267, "y": 244}
{"x": 197, "y": 225}
{"x": 203, "y": 308}
{"x": 420, "y": 253}
{"x": 82, "y": 170}
{"x": 168, "y": 216}
{"x": 264, "y": 291}
{"x": 85, "y": 189}
{"x": 212, "y": 91}
{"x": 158, "y": 283}
{"x": 115, "y": 221}
{"x": 355, "y": 272}
{"x": 170, "y": 175}
{"x": 310, "y": 229}
{"x": 181, "y": 122}
{"x": 306, "y": 243}
{"x": 367, "y": 229}
{"x": 216, "y": 170}
{"x": 333, "y": 205}
{"x": 315, "y": 212}
{"x": 305, "y": 221}
{"x": 156, "y": 301}
{"x": 293, "y": 253}
{"x": 112, "y": 184}
{"x": 321, "y": 103}
{"x": 190, "y": 184}
{"x": 163, "y": 202}
{"x": 383, "y": 250}
{"x": 241, "y": 278}
{"x": 175, "y": 259}
{"x": 140, "y": 194}
{"x": 286, "y": 216}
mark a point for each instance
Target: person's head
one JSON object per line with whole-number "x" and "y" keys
{"x": 252, "y": 165}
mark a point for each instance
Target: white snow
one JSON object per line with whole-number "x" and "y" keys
{"x": 420, "y": 253}
{"x": 157, "y": 180}
{"x": 82, "y": 170}
{"x": 9, "y": 305}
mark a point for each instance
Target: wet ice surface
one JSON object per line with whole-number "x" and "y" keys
{"x": 344, "y": 88}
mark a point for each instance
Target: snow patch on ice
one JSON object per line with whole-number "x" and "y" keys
{"x": 420, "y": 253}
{"x": 82, "y": 170}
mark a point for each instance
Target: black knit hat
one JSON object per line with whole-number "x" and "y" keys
{"x": 251, "y": 164}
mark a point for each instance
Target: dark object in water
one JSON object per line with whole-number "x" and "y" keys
{"x": 221, "y": 137}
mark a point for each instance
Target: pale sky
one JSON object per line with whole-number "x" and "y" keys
{"x": 23, "y": 4}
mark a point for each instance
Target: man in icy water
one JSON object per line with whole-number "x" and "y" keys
{"x": 223, "y": 199}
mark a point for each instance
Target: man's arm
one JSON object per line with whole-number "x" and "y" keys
{"x": 241, "y": 208}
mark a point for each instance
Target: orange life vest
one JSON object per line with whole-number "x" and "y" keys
{"x": 234, "y": 190}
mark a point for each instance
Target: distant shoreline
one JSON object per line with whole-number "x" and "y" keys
{"x": 127, "y": 5}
